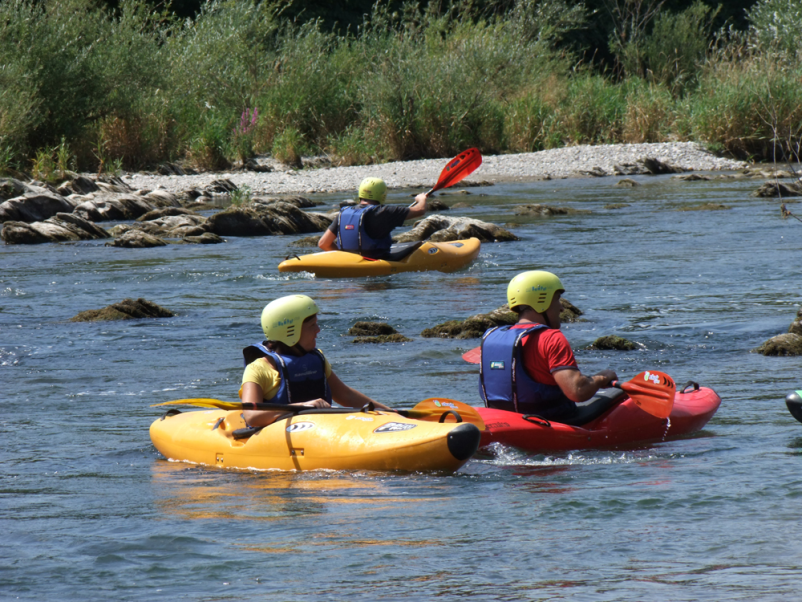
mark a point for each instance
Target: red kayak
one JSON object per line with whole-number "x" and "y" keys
{"x": 623, "y": 424}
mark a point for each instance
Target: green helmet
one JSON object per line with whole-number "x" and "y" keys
{"x": 535, "y": 289}
{"x": 373, "y": 189}
{"x": 282, "y": 318}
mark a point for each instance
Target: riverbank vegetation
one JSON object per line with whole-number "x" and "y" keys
{"x": 94, "y": 87}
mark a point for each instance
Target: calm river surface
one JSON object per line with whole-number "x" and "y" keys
{"x": 90, "y": 510}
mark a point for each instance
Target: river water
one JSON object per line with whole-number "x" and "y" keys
{"x": 90, "y": 510}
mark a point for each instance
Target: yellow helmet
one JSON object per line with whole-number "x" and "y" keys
{"x": 282, "y": 318}
{"x": 373, "y": 189}
{"x": 535, "y": 289}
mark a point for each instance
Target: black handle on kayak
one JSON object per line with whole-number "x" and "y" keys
{"x": 535, "y": 419}
{"x": 690, "y": 383}
{"x": 446, "y": 413}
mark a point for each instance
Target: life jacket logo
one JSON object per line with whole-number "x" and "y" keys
{"x": 300, "y": 426}
{"x": 395, "y": 427}
{"x": 433, "y": 250}
{"x": 497, "y": 365}
{"x": 349, "y": 226}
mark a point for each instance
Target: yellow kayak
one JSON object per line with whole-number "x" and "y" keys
{"x": 441, "y": 256}
{"x": 367, "y": 440}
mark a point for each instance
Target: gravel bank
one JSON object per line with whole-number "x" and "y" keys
{"x": 574, "y": 161}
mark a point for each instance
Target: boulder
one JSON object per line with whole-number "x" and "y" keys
{"x": 371, "y": 329}
{"x": 207, "y": 238}
{"x": 62, "y": 227}
{"x": 440, "y": 228}
{"x": 613, "y": 342}
{"x": 656, "y": 167}
{"x": 240, "y": 221}
{"x": 705, "y": 207}
{"x": 692, "y": 177}
{"x": 796, "y": 325}
{"x": 547, "y": 210}
{"x": 299, "y": 201}
{"x": 627, "y": 183}
{"x": 778, "y": 189}
{"x": 34, "y": 206}
{"x": 118, "y": 207}
{"x": 164, "y": 212}
{"x": 306, "y": 242}
{"x": 136, "y": 239}
{"x": 475, "y": 326}
{"x": 80, "y": 185}
{"x": 10, "y": 188}
{"x": 383, "y": 338}
{"x": 256, "y": 219}
{"x": 162, "y": 198}
{"x": 788, "y": 344}
{"x": 127, "y": 309}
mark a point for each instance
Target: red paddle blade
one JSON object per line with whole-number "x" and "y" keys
{"x": 652, "y": 391}
{"x": 474, "y": 356}
{"x": 460, "y": 166}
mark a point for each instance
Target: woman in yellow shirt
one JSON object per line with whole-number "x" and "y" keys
{"x": 288, "y": 369}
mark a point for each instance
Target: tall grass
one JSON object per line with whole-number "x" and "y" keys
{"x": 134, "y": 87}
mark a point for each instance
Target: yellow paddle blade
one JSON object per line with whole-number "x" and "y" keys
{"x": 203, "y": 403}
{"x": 433, "y": 408}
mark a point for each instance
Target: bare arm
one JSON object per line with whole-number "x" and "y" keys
{"x": 327, "y": 241}
{"x": 252, "y": 393}
{"x": 418, "y": 208}
{"x": 578, "y": 387}
{"x": 351, "y": 398}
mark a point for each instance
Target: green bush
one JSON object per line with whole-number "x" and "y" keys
{"x": 749, "y": 108}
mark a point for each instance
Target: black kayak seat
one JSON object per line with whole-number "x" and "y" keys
{"x": 397, "y": 252}
{"x": 589, "y": 410}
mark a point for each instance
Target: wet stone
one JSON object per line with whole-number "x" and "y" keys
{"x": 384, "y": 338}
{"x": 371, "y": 329}
{"x": 789, "y": 344}
{"x": 127, "y": 309}
{"x": 613, "y": 342}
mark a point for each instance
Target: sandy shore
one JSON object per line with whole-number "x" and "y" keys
{"x": 574, "y": 161}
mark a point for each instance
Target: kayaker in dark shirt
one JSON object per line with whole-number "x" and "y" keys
{"x": 366, "y": 227}
{"x": 548, "y": 381}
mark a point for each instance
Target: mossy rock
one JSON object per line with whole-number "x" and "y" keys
{"x": 365, "y": 329}
{"x": 475, "y": 326}
{"x": 306, "y": 242}
{"x": 384, "y": 338}
{"x": 127, "y": 309}
{"x": 627, "y": 183}
{"x": 796, "y": 325}
{"x": 705, "y": 207}
{"x": 788, "y": 344}
{"x": 546, "y": 210}
{"x": 613, "y": 342}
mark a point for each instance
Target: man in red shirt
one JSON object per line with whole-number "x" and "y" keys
{"x": 530, "y": 367}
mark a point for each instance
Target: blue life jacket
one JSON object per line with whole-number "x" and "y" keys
{"x": 352, "y": 235}
{"x": 303, "y": 378}
{"x": 504, "y": 383}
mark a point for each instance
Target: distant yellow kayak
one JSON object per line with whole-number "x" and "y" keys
{"x": 368, "y": 440}
{"x": 440, "y": 256}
